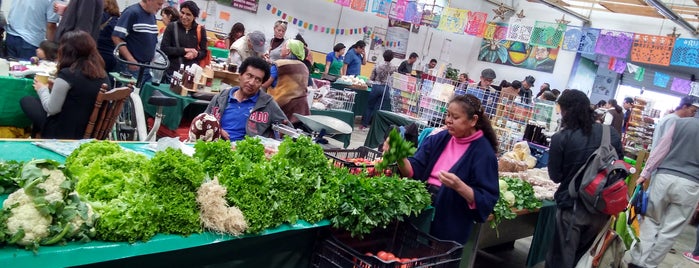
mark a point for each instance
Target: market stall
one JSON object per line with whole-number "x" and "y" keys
{"x": 173, "y": 114}
{"x": 360, "y": 100}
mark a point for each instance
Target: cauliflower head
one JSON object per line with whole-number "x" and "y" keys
{"x": 25, "y": 217}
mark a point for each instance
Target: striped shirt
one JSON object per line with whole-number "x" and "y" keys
{"x": 138, "y": 28}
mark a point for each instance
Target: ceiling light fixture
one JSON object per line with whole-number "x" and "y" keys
{"x": 671, "y": 15}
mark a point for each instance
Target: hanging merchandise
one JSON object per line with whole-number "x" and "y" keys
{"x": 686, "y": 53}
{"x": 520, "y": 30}
{"x": 359, "y": 5}
{"x": 547, "y": 34}
{"x": 681, "y": 85}
{"x": 653, "y": 49}
{"x": 345, "y": 3}
{"x": 477, "y": 22}
{"x": 495, "y": 31}
{"x": 661, "y": 79}
{"x": 397, "y": 10}
{"x": 614, "y": 43}
{"x": 453, "y": 20}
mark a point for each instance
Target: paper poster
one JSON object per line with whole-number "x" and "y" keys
{"x": 681, "y": 85}
{"x": 518, "y": 54}
{"x": 397, "y": 34}
{"x": 685, "y": 53}
{"x": 661, "y": 79}
{"x": 614, "y": 43}
{"x": 453, "y": 20}
{"x": 496, "y": 31}
{"x": 442, "y": 92}
{"x": 247, "y": 5}
{"x": 520, "y": 30}
{"x": 547, "y": 34}
{"x": 381, "y": 7}
{"x": 343, "y": 2}
{"x": 653, "y": 49}
{"x": 397, "y": 10}
{"x": 359, "y": 5}
{"x": 477, "y": 21}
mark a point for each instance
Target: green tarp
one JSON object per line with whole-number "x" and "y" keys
{"x": 11, "y": 91}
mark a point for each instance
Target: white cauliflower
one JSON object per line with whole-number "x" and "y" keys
{"x": 52, "y": 185}
{"x": 509, "y": 197}
{"x": 25, "y": 216}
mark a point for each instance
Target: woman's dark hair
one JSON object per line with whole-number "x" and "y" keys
{"x": 78, "y": 51}
{"x": 172, "y": 12}
{"x": 50, "y": 49}
{"x": 548, "y": 95}
{"x": 504, "y": 83}
{"x": 338, "y": 47}
{"x": 191, "y": 6}
{"x": 299, "y": 37}
{"x": 255, "y": 62}
{"x": 576, "y": 112}
{"x": 359, "y": 44}
{"x": 472, "y": 106}
{"x": 601, "y": 104}
{"x": 237, "y": 28}
{"x": 616, "y": 106}
{"x": 388, "y": 55}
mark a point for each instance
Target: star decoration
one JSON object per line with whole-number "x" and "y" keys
{"x": 521, "y": 14}
{"x": 674, "y": 33}
{"x": 500, "y": 12}
{"x": 563, "y": 20}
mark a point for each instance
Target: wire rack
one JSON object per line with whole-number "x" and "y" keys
{"x": 509, "y": 119}
{"x": 405, "y": 94}
{"x": 341, "y": 99}
{"x": 435, "y": 94}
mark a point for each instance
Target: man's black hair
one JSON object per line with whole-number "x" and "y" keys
{"x": 255, "y": 62}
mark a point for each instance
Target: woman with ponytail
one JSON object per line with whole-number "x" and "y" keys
{"x": 461, "y": 169}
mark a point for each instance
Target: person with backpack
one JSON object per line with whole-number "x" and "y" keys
{"x": 579, "y": 137}
{"x": 673, "y": 171}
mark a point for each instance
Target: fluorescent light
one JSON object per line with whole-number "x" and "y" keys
{"x": 671, "y": 15}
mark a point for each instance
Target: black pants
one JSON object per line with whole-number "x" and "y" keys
{"x": 565, "y": 253}
{"x": 35, "y": 112}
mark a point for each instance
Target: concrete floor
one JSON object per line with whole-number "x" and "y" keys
{"x": 517, "y": 257}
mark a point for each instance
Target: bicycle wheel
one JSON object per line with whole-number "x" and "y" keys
{"x": 125, "y": 127}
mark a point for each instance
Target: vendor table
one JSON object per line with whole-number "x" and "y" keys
{"x": 284, "y": 246}
{"x": 361, "y": 99}
{"x": 344, "y": 116}
{"x": 173, "y": 114}
{"x": 11, "y": 91}
{"x": 381, "y": 123}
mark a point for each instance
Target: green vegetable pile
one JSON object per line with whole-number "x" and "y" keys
{"x": 9, "y": 172}
{"x": 514, "y": 194}
{"x": 399, "y": 148}
{"x": 45, "y": 210}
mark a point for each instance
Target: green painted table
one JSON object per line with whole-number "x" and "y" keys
{"x": 344, "y": 116}
{"x": 285, "y": 246}
{"x": 173, "y": 114}
{"x": 381, "y": 123}
{"x": 11, "y": 91}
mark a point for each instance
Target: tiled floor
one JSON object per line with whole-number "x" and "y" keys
{"x": 515, "y": 258}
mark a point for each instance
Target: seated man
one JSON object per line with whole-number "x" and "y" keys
{"x": 245, "y": 110}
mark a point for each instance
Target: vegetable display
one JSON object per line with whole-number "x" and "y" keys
{"x": 9, "y": 172}
{"x": 515, "y": 194}
{"x": 399, "y": 148}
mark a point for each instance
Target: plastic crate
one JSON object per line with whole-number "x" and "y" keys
{"x": 403, "y": 240}
{"x": 340, "y": 156}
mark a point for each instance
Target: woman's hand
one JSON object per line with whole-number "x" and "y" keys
{"x": 450, "y": 180}
{"x": 190, "y": 53}
{"x": 39, "y": 85}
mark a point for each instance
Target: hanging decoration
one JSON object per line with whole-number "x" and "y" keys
{"x": 685, "y": 53}
{"x": 314, "y": 27}
{"x": 381, "y": 7}
{"x": 638, "y": 71}
{"x": 563, "y": 20}
{"x": 413, "y": 13}
{"x": 661, "y": 79}
{"x": 477, "y": 22}
{"x": 614, "y": 43}
{"x": 520, "y": 30}
{"x": 345, "y": 3}
{"x": 495, "y": 31}
{"x": 571, "y": 38}
{"x": 681, "y": 85}
{"x": 397, "y": 10}
{"x": 653, "y": 49}
{"x": 694, "y": 89}
{"x": 453, "y": 20}
{"x": 619, "y": 66}
{"x": 359, "y": 5}
{"x": 547, "y": 34}
{"x": 501, "y": 11}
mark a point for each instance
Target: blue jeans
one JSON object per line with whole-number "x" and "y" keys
{"x": 18, "y": 48}
{"x": 379, "y": 98}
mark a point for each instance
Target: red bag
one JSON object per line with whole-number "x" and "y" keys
{"x": 207, "y": 59}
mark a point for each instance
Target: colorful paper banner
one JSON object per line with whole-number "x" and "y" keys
{"x": 343, "y": 2}
{"x": 653, "y": 49}
{"x": 614, "y": 43}
{"x": 359, "y": 5}
{"x": 520, "y": 30}
{"x": 453, "y": 20}
{"x": 694, "y": 89}
{"x": 681, "y": 85}
{"x": 496, "y": 31}
{"x": 477, "y": 21}
{"x": 397, "y": 10}
{"x": 685, "y": 53}
{"x": 547, "y": 34}
{"x": 381, "y": 7}
{"x": 314, "y": 27}
{"x": 571, "y": 38}
{"x": 661, "y": 79}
